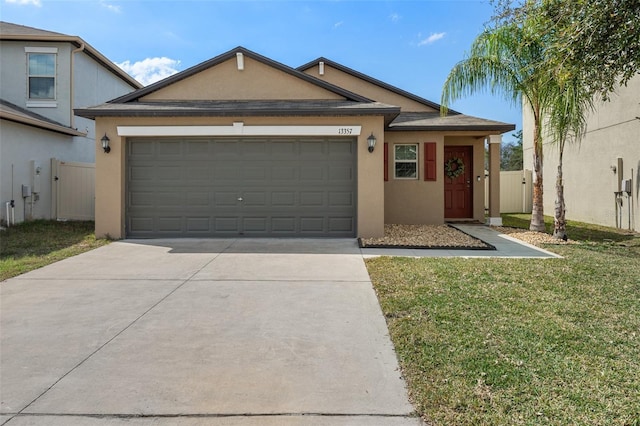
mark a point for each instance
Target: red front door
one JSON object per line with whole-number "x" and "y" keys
{"x": 458, "y": 185}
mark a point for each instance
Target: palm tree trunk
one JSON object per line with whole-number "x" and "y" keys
{"x": 537, "y": 213}
{"x": 560, "y": 222}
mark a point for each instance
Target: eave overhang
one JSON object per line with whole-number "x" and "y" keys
{"x": 16, "y": 114}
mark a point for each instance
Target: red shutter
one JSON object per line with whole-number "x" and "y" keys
{"x": 386, "y": 162}
{"x": 430, "y": 169}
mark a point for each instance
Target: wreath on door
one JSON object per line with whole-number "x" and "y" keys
{"x": 454, "y": 167}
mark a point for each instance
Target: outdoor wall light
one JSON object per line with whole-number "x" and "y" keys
{"x": 105, "y": 143}
{"x": 371, "y": 142}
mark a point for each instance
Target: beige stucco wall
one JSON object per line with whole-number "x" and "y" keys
{"x": 256, "y": 81}
{"x": 414, "y": 201}
{"x": 613, "y": 132}
{"x": 417, "y": 201}
{"x": 364, "y": 88}
{"x": 110, "y": 168}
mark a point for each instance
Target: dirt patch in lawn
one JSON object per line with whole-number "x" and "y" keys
{"x": 425, "y": 236}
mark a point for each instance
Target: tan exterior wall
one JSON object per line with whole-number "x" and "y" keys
{"x": 415, "y": 201}
{"x": 256, "y": 81}
{"x": 110, "y": 168}
{"x": 364, "y": 88}
{"x": 418, "y": 201}
{"x": 612, "y": 132}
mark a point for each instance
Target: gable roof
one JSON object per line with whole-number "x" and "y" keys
{"x": 15, "y": 32}
{"x": 12, "y": 112}
{"x": 134, "y": 96}
{"x": 375, "y": 82}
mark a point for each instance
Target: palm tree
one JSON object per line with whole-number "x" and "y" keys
{"x": 567, "y": 122}
{"x": 507, "y": 60}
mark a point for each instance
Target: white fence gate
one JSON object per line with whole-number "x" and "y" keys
{"x": 73, "y": 190}
{"x": 516, "y": 192}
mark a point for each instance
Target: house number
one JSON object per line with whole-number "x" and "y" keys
{"x": 345, "y": 130}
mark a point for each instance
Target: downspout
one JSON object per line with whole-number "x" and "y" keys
{"x": 72, "y": 84}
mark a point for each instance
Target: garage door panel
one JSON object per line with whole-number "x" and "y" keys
{"x": 341, "y": 224}
{"x": 311, "y": 173}
{"x": 283, "y": 198}
{"x": 169, "y": 223}
{"x": 227, "y": 149}
{"x": 343, "y": 173}
{"x": 311, "y": 225}
{"x": 283, "y": 149}
{"x": 254, "y": 149}
{"x": 235, "y": 187}
{"x": 227, "y": 224}
{"x": 197, "y": 149}
{"x": 340, "y": 199}
{"x": 311, "y": 198}
{"x": 222, "y": 199}
{"x": 199, "y": 224}
{"x": 284, "y": 224}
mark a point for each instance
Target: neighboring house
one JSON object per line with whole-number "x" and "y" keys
{"x": 241, "y": 145}
{"x": 595, "y": 170}
{"x": 43, "y": 77}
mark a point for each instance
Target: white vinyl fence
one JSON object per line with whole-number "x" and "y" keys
{"x": 516, "y": 192}
{"x": 73, "y": 189}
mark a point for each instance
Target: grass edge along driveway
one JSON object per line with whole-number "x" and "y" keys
{"x": 34, "y": 244}
{"x": 520, "y": 341}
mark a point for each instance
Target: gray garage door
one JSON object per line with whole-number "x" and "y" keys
{"x": 303, "y": 187}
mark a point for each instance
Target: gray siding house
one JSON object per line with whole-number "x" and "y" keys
{"x": 44, "y": 76}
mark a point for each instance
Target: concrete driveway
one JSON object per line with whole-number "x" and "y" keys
{"x": 200, "y": 332}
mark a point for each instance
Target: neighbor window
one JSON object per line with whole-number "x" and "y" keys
{"x": 405, "y": 161}
{"x": 42, "y": 75}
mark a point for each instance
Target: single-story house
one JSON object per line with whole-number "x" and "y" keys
{"x": 241, "y": 145}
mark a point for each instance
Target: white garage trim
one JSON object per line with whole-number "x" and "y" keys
{"x": 239, "y": 129}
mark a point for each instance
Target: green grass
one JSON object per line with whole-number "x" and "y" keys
{"x": 575, "y": 230}
{"x": 32, "y": 245}
{"x": 520, "y": 341}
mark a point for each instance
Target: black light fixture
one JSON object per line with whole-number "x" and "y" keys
{"x": 105, "y": 143}
{"x": 371, "y": 142}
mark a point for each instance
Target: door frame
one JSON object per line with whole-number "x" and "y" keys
{"x": 463, "y": 182}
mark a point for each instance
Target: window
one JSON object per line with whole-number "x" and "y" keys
{"x": 405, "y": 161}
{"x": 42, "y": 75}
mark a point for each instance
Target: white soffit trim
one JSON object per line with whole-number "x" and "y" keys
{"x": 238, "y": 129}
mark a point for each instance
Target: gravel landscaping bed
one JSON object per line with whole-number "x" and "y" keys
{"x": 531, "y": 237}
{"x": 425, "y": 236}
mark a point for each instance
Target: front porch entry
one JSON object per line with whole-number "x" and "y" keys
{"x": 458, "y": 186}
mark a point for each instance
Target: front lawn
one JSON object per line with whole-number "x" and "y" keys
{"x": 520, "y": 341}
{"x": 32, "y": 245}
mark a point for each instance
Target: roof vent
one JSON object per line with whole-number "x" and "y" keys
{"x": 240, "y": 59}
{"x": 321, "y": 68}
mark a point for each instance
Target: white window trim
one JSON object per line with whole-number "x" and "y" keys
{"x": 406, "y": 161}
{"x": 41, "y": 50}
{"x": 43, "y": 103}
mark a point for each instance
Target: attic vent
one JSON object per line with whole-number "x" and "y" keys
{"x": 240, "y": 59}
{"x": 321, "y": 68}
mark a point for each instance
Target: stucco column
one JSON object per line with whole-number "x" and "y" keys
{"x": 494, "y": 180}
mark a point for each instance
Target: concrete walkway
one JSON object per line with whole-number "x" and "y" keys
{"x": 200, "y": 332}
{"x": 506, "y": 247}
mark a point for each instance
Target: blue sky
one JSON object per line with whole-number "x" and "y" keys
{"x": 409, "y": 44}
